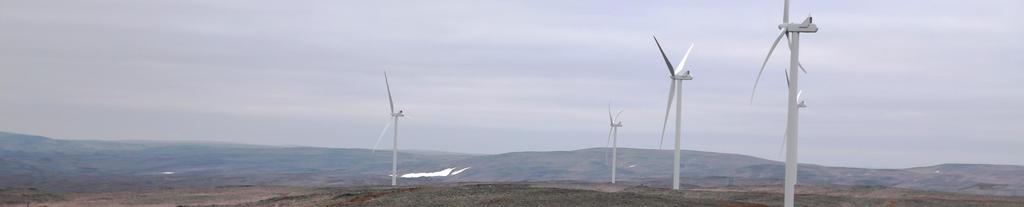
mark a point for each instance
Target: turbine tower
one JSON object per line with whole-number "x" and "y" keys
{"x": 394, "y": 122}
{"x": 613, "y": 135}
{"x": 676, "y": 89}
{"x": 792, "y": 32}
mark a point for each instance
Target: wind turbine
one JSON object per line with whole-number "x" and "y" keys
{"x": 792, "y": 32}
{"x": 613, "y": 135}
{"x": 676, "y": 89}
{"x": 394, "y": 143}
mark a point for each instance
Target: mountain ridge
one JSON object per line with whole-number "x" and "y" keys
{"x": 424, "y": 151}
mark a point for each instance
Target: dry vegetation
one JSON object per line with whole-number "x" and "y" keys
{"x": 225, "y": 195}
{"x": 517, "y": 194}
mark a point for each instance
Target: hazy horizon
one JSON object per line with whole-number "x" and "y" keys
{"x": 889, "y": 84}
{"x": 404, "y": 150}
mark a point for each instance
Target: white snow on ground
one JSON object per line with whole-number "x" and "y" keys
{"x": 441, "y": 173}
{"x": 631, "y": 166}
{"x": 167, "y": 173}
{"x": 460, "y": 171}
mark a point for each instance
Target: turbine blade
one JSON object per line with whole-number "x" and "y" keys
{"x": 774, "y": 44}
{"x": 783, "y": 146}
{"x": 787, "y": 77}
{"x": 668, "y": 108}
{"x": 683, "y": 62}
{"x": 381, "y": 136}
{"x": 608, "y": 143}
{"x": 799, "y": 95}
{"x": 391, "y": 102}
{"x": 790, "y": 43}
{"x": 610, "y": 120}
{"x": 785, "y": 12}
{"x": 617, "y": 115}
{"x": 667, "y": 62}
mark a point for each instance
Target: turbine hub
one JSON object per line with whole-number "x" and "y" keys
{"x": 399, "y": 114}
{"x": 801, "y": 105}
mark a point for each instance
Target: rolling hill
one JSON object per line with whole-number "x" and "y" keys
{"x": 83, "y": 165}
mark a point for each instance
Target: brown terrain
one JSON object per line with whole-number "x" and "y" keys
{"x": 40, "y": 171}
{"x": 504, "y": 194}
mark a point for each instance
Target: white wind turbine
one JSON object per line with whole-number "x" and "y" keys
{"x": 792, "y": 32}
{"x": 394, "y": 143}
{"x": 676, "y": 89}
{"x": 613, "y": 135}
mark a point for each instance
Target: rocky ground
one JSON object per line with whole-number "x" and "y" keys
{"x": 504, "y": 194}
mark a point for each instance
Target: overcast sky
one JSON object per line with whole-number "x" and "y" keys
{"x": 891, "y": 84}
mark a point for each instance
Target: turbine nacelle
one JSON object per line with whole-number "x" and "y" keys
{"x": 400, "y": 113}
{"x": 685, "y": 76}
{"x": 614, "y": 120}
{"x": 807, "y": 26}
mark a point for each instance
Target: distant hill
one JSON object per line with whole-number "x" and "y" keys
{"x": 80, "y": 165}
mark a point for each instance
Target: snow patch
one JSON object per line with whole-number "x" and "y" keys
{"x": 631, "y": 166}
{"x": 460, "y": 171}
{"x": 442, "y": 173}
{"x": 167, "y": 173}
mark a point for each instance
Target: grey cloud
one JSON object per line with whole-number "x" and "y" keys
{"x": 903, "y": 83}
